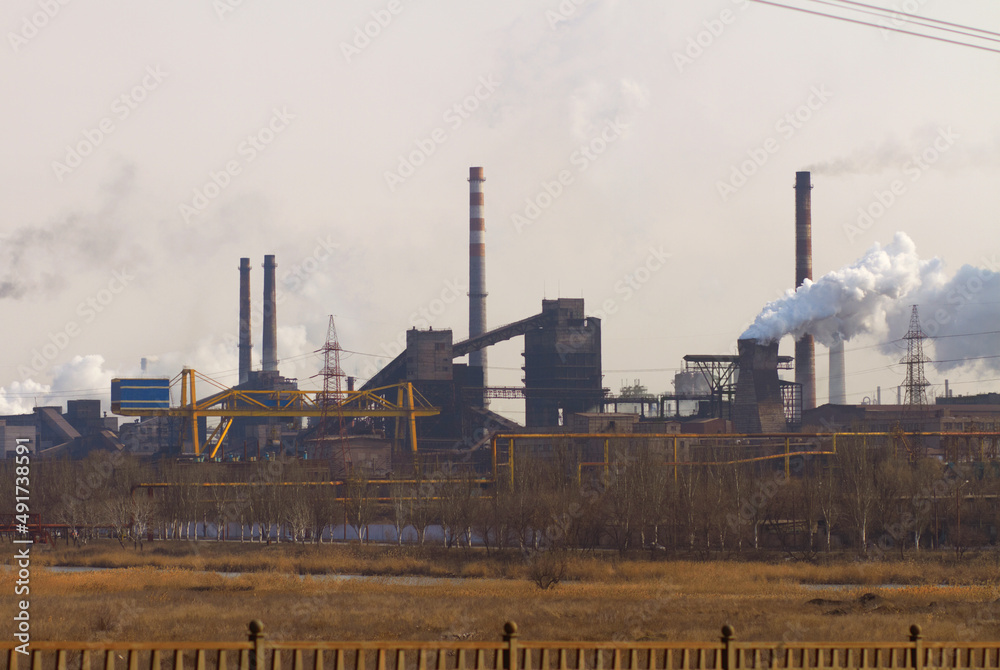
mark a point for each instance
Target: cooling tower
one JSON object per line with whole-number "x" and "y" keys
{"x": 758, "y": 407}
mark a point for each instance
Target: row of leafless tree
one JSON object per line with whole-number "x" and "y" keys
{"x": 867, "y": 497}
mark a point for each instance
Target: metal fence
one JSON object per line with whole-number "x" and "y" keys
{"x": 258, "y": 653}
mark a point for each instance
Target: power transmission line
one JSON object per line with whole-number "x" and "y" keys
{"x": 883, "y": 27}
{"x": 893, "y": 13}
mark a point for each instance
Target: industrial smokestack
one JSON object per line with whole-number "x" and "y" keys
{"x": 838, "y": 375}
{"x": 269, "y": 341}
{"x": 805, "y": 349}
{"x": 245, "y": 338}
{"x": 477, "y": 266}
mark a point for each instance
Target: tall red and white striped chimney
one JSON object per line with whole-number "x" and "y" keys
{"x": 805, "y": 348}
{"x": 477, "y": 266}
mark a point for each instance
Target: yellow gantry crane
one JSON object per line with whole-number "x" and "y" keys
{"x": 151, "y": 397}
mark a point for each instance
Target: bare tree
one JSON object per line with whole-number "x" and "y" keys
{"x": 323, "y": 507}
{"x": 859, "y": 493}
{"x": 828, "y": 498}
{"x": 359, "y": 503}
{"x": 651, "y": 481}
{"x": 399, "y": 493}
{"x": 918, "y": 488}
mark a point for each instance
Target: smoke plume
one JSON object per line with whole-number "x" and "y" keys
{"x": 959, "y": 313}
{"x": 961, "y": 317}
{"x": 43, "y": 259}
{"x": 924, "y": 148}
{"x": 872, "y": 159}
{"x": 845, "y": 303}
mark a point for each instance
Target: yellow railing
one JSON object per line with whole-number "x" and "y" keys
{"x": 511, "y": 653}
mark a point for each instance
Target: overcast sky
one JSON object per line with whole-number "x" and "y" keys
{"x": 150, "y": 145}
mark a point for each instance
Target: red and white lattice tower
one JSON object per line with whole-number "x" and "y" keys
{"x": 333, "y": 393}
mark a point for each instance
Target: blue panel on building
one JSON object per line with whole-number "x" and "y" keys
{"x": 132, "y": 394}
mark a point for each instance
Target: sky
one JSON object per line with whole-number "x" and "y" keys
{"x": 640, "y": 155}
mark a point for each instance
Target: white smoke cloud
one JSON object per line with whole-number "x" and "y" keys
{"x": 855, "y": 300}
{"x": 80, "y": 377}
{"x": 961, "y": 316}
{"x": 21, "y": 397}
{"x": 959, "y": 313}
{"x": 82, "y": 374}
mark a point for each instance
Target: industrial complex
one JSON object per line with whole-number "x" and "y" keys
{"x": 433, "y": 399}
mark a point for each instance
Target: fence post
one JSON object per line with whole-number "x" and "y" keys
{"x": 917, "y": 653}
{"x": 510, "y": 639}
{"x": 728, "y": 648}
{"x": 257, "y": 661}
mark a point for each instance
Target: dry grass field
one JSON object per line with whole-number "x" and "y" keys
{"x": 174, "y": 592}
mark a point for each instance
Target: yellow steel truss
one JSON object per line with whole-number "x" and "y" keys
{"x": 230, "y": 403}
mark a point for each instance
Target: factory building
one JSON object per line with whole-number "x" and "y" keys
{"x": 53, "y": 434}
{"x": 562, "y": 364}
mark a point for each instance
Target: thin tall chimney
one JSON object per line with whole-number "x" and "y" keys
{"x": 805, "y": 349}
{"x": 477, "y": 266}
{"x": 838, "y": 375}
{"x": 245, "y": 338}
{"x": 269, "y": 341}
